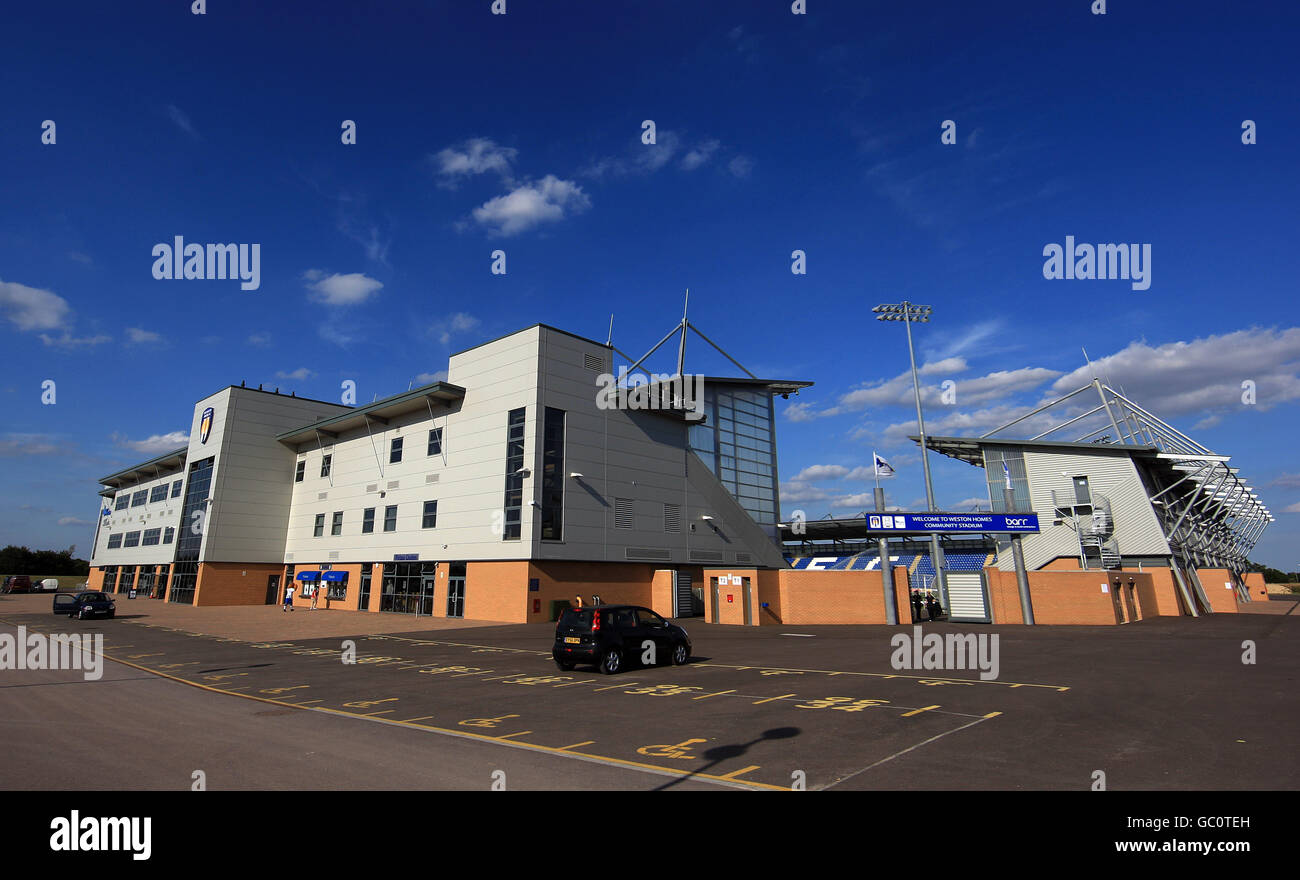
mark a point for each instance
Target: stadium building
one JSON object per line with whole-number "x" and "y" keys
{"x": 497, "y": 494}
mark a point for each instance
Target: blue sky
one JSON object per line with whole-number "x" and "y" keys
{"x": 775, "y": 132}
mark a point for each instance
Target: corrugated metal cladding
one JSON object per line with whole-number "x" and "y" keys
{"x": 1111, "y": 474}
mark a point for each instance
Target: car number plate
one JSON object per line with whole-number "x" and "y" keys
{"x": 571, "y": 640}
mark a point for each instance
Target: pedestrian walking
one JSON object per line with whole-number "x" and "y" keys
{"x": 916, "y": 605}
{"x": 288, "y": 598}
{"x": 315, "y": 591}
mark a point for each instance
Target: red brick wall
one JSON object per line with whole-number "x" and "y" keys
{"x": 1068, "y": 598}
{"x": 620, "y": 583}
{"x": 234, "y": 583}
{"x": 1222, "y": 599}
{"x": 1255, "y": 583}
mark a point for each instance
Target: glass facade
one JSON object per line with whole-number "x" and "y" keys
{"x": 408, "y": 587}
{"x": 364, "y": 599}
{"x": 738, "y": 443}
{"x": 514, "y": 496}
{"x": 193, "y": 513}
{"x": 1014, "y": 458}
{"x": 553, "y": 475}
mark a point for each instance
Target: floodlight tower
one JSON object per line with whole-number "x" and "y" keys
{"x": 907, "y": 313}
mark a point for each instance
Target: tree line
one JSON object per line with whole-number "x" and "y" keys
{"x": 46, "y": 563}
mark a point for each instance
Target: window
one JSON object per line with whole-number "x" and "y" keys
{"x": 114, "y": 541}
{"x": 122, "y": 501}
{"x": 430, "y": 515}
{"x": 302, "y": 466}
{"x": 320, "y": 525}
{"x": 395, "y": 451}
{"x": 176, "y": 488}
{"x": 336, "y": 527}
{"x": 390, "y": 518}
{"x": 514, "y": 497}
{"x": 151, "y": 537}
{"x": 139, "y": 498}
{"x": 649, "y": 618}
{"x": 435, "y": 441}
{"x": 132, "y": 539}
{"x": 325, "y": 465}
{"x": 169, "y": 535}
{"x": 367, "y": 520}
{"x": 553, "y": 475}
{"x": 158, "y": 493}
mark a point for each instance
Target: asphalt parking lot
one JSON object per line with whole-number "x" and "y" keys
{"x": 1161, "y": 704}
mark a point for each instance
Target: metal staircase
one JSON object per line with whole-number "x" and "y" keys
{"x": 1093, "y": 525}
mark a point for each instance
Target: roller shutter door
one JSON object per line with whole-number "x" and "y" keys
{"x": 967, "y": 601}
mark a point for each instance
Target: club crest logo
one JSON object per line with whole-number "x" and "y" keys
{"x": 205, "y": 424}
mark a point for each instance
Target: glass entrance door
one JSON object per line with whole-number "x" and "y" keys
{"x": 427, "y": 585}
{"x": 456, "y": 589}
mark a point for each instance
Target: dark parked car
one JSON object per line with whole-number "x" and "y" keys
{"x": 83, "y": 605}
{"x": 612, "y": 636}
{"x": 19, "y": 583}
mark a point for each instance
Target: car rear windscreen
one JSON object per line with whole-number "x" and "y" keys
{"x": 580, "y": 617}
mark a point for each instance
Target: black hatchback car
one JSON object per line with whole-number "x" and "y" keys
{"x": 83, "y": 605}
{"x": 612, "y": 636}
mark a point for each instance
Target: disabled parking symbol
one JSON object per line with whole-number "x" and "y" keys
{"x": 678, "y": 750}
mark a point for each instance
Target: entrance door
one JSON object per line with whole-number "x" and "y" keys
{"x": 713, "y": 594}
{"x": 456, "y": 589}
{"x": 427, "y": 585}
{"x": 749, "y": 602}
{"x": 273, "y": 589}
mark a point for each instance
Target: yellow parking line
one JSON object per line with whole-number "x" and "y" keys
{"x": 734, "y": 773}
{"x": 421, "y": 718}
{"x": 382, "y": 712}
{"x": 770, "y": 699}
{"x": 993, "y": 715}
{"x": 718, "y": 694}
{"x": 508, "y": 735}
{"x": 599, "y": 759}
{"x": 918, "y": 711}
{"x": 575, "y": 745}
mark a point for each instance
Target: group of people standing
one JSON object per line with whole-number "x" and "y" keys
{"x": 932, "y": 607}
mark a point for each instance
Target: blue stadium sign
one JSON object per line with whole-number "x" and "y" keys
{"x": 947, "y": 523}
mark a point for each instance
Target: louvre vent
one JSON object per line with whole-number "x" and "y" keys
{"x": 622, "y": 513}
{"x": 706, "y": 556}
{"x": 744, "y": 557}
{"x": 373, "y": 487}
{"x": 659, "y": 554}
{"x": 334, "y": 554}
{"x": 672, "y": 517}
{"x": 392, "y": 484}
{"x": 322, "y": 496}
{"x": 431, "y": 478}
{"x": 593, "y": 362}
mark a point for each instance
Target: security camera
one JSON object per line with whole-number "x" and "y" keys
{"x": 575, "y": 476}
{"x": 522, "y": 472}
{"x": 705, "y": 517}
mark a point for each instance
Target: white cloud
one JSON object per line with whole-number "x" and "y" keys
{"x": 968, "y": 503}
{"x": 341, "y": 290}
{"x": 457, "y": 323}
{"x": 822, "y": 472}
{"x": 136, "y": 336}
{"x": 299, "y": 374}
{"x": 1285, "y": 481}
{"x": 28, "y": 444}
{"x": 182, "y": 121}
{"x": 474, "y": 156}
{"x": 531, "y": 204}
{"x": 155, "y": 444}
{"x": 700, "y": 154}
{"x": 795, "y": 492}
{"x": 862, "y": 501}
{"x": 31, "y": 308}
{"x": 740, "y": 166}
{"x": 430, "y": 378}
{"x": 74, "y": 521}
{"x": 67, "y": 340}
{"x": 1294, "y": 508}
{"x": 259, "y": 339}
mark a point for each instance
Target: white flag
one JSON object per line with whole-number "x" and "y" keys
{"x": 883, "y": 468}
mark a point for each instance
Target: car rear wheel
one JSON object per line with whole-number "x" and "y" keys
{"x": 564, "y": 665}
{"x": 680, "y": 654}
{"x": 612, "y": 662}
